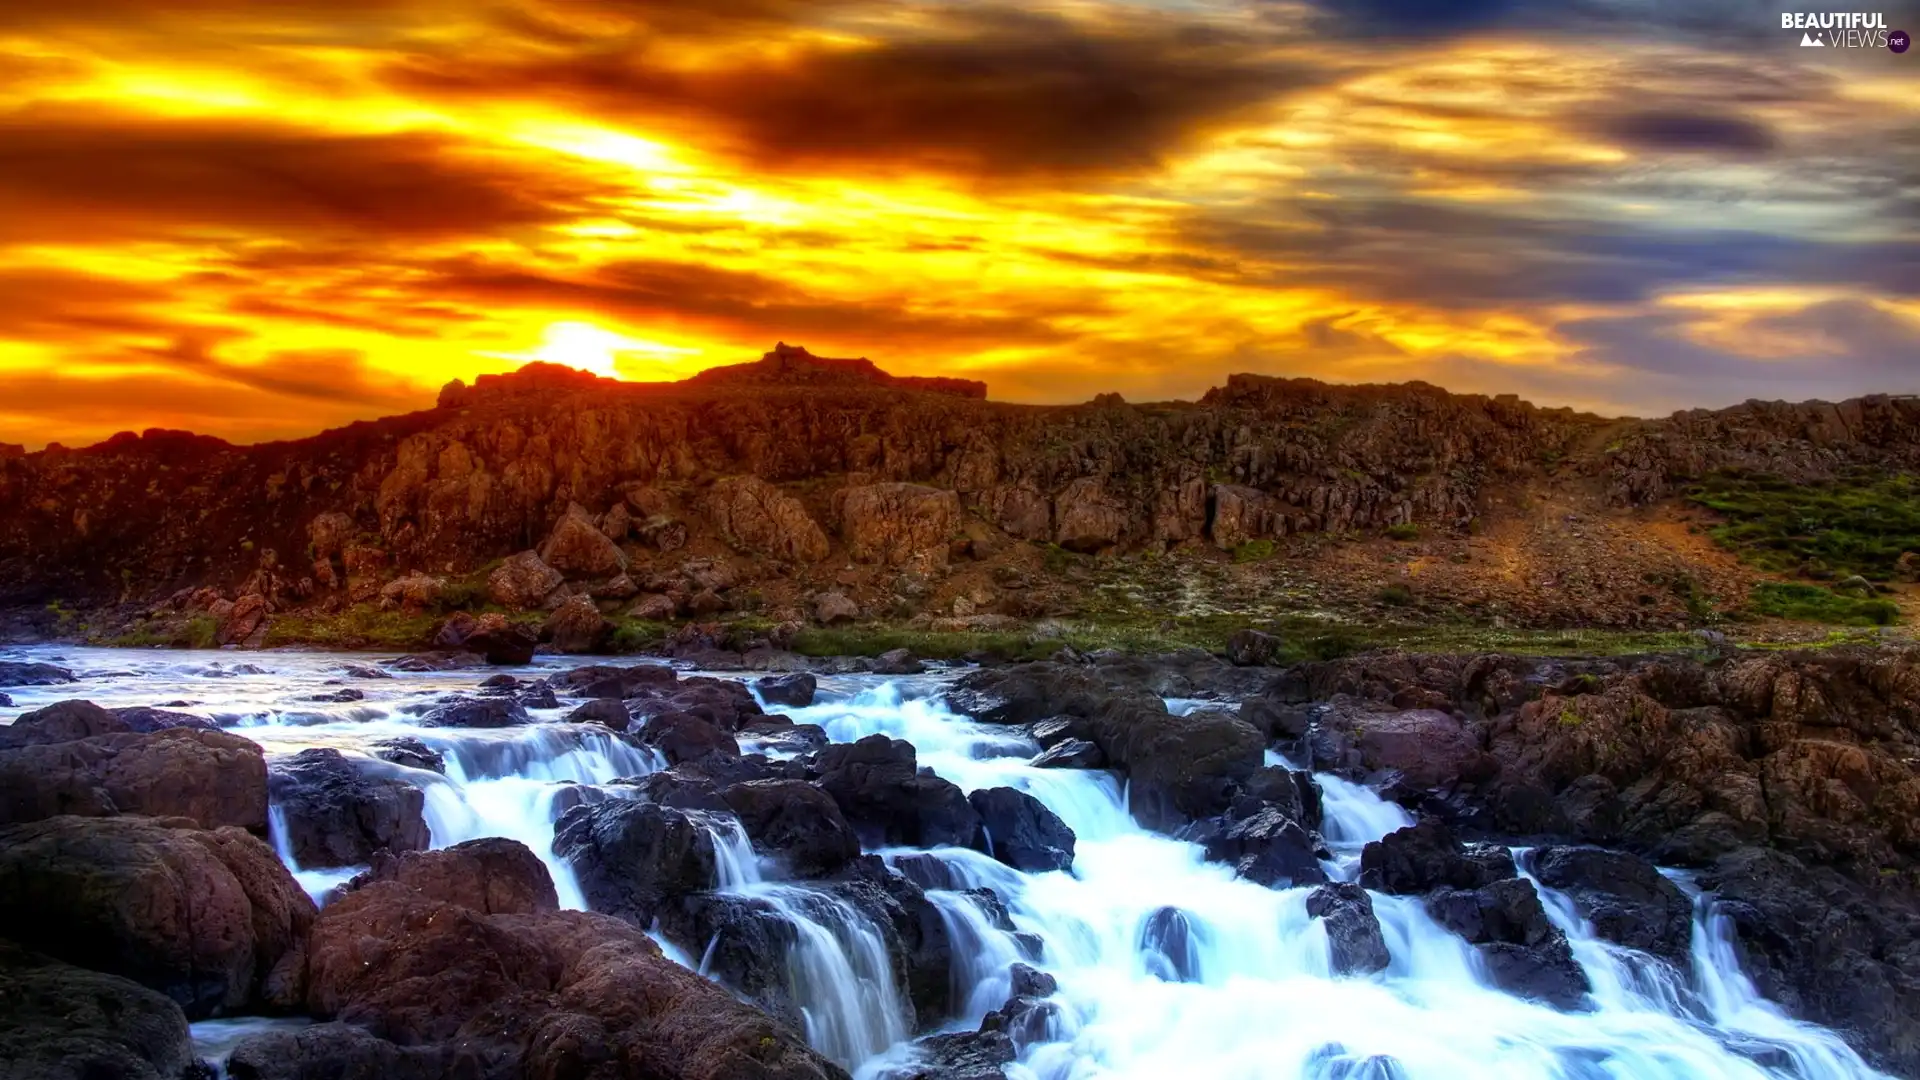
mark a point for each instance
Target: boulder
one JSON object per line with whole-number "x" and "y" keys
{"x": 336, "y": 1050}
{"x": 1429, "y": 748}
{"x": 1355, "y": 945}
{"x": 529, "y": 993}
{"x": 67, "y": 1023}
{"x": 1426, "y": 856}
{"x": 1070, "y": 754}
{"x": 1252, "y": 648}
{"x": 727, "y": 704}
{"x": 1179, "y": 768}
{"x": 500, "y": 641}
{"x": 682, "y": 736}
{"x": 1269, "y": 847}
{"x": 1524, "y": 953}
{"x": 616, "y": 680}
{"x": 634, "y": 858}
{"x": 487, "y": 712}
{"x": 1021, "y": 832}
{"x": 577, "y": 625}
{"x": 878, "y": 786}
{"x": 14, "y": 673}
{"x": 655, "y": 608}
{"x": 244, "y": 623}
{"x": 577, "y": 547}
{"x": 63, "y": 721}
{"x": 492, "y": 875}
{"x": 405, "y": 750}
{"x": 338, "y": 810}
{"x": 607, "y": 712}
{"x": 211, "y": 777}
{"x": 415, "y": 592}
{"x": 793, "y": 691}
{"x": 898, "y": 524}
{"x": 961, "y": 1055}
{"x": 209, "y": 918}
{"x": 1168, "y": 940}
{"x": 833, "y": 608}
{"x": 1625, "y": 897}
{"x": 758, "y": 519}
{"x": 897, "y": 662}
{"x": 795, "y": 822}
{"x": 523, "y": 581}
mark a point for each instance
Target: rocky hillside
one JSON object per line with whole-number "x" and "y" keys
{"x": 767, "y": 486}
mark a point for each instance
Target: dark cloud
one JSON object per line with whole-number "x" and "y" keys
{"x": 1413, "y": 251}
{"x": 980, "y": 91}
{"x": 754, "y": 306}
{"x": 84, "y": 176}
{"x": 1690, "y": 132}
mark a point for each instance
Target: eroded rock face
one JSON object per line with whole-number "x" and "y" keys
{"x": 338, "y": 810}
{"x": 523, "y": 581}
{"x": 1625, "y": 897}
{"x": 208, "y": 918}
{"x": 758, "y": 519}
{"x": 898, "y": 524}
{"x": 524, "y": 990}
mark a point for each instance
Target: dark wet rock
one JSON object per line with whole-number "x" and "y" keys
{"x": 615, "y": 680}
{"x": 208, "y": 918}
{"x": 17, "y": 673}
{"x": 1168, "y": 938}
{"x": 1021, "y": 832}
{"x": 502, "y": 682}
{"x": 1252, "y": 648}
{"x": 607, "y": 712}
{"x": 321, "y": 1051}
{"x": 883, "y": 794}
{"x": 1427, "y": 856}
{"x": 633, "y": 858}
{"x": 725, "y": 703}
{"x": 1625, "y": 897}
{"x": 364, "y": 671}
{"x": 577, "y": 626}
{"x": 1054, "y": 730}
{"x": 1293, "y": 791}
{"x": 742, "y": 941}
{"x": 897, "y": 662}
{"x": 1427, "y": 748}
{"x": 795, "y": 690}
{"x": 1826, "y": 949}
{"x": 66, "y": 1023}
{"x": 1179, "y": 768}
{"x": 926, "y": 871}
{"x": 538, "y": 697}
{"x": 1026, "y": 1017}
{"x": 1071, "y": 754}
{"x": 435, "y": 661}
{"x": 489, "y": 712}
{"x": 1525, "y": 954}
{"x": 1278, "y": 721}
{"x": 1268, "y": 847}
{"x": 410, "y": 752}
{"x": 5, "y": 702}
{"x": 683, "y": 736}
{"x": 341, "y": 696}
{"x": 795, "y": 822}
{"x": 338, "y": 810}
{"x": 1335, "y": 1062}
{"x": 527, "y": 991}
{"x": 965, "y": 1055}
{"x": 147, "y": 719}
{"x": 211, "y": 777}
{"x": 786, "y": 737}
{"x": 1027, "y": 693}
{"x": 1355, "y": 945}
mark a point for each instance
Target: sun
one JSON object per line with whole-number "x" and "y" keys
{"x": 594, "y": 349}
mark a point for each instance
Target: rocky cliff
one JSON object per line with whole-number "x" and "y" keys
{"x": 797, "y": 468}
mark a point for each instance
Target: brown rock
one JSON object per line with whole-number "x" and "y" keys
{"x": 756, "y": 518}
{"x": 523, "y": 581}
{"x": 898, "y": 524}
{"x": 211, "y": 777}
{"x": 830, "y": 608}
{"x": 577, "y": 626}
{"x": 656, "y": 608}
{"x": 1088, "y": 519}
{"x": 576, "y": 546}
{"x": 415, "y": 592}
{"x": 66, "y": 1023}
{"x": 206, "y": 918}
{"x": 247, "y": 617}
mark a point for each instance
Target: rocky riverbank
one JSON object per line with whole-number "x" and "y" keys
{"x": 138, "y": 867}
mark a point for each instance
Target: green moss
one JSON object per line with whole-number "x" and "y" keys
{"x": 1811, "y": 603}
{"x": 1253, "y": 551}
{"x": 1570, "y": 718}
{"x": 1860, "y": 523}
{"x": 355, "y": 628}
{"x": 1395, "y": 595}
{"x": 1403, "y": 532}
{"x": 638, "y": 635}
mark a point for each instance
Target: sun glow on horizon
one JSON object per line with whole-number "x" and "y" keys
{"x": 599, "y": 351}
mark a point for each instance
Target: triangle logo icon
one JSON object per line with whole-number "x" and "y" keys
{"x": 1808, "y": 41}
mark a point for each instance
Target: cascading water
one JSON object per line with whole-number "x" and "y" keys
{"x": 1167, "y": 964}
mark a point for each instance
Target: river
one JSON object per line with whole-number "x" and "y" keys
{"x": 1250, "y": 994}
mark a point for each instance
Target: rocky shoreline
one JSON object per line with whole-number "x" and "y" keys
{"x": 138, "y": 871}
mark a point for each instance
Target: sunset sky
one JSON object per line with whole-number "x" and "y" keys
{"x": 260, "y": 219}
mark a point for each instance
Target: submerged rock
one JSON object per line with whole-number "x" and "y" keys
{"x": 1355, "y": 945}
{"x": 794, "y": 691}
{"x": 1168, "y": 938}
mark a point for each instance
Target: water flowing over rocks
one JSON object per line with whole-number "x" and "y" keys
{"x": 1354, "y": 942}
{"x": 330, "y": 810}
{"x": 1020, "y": 831}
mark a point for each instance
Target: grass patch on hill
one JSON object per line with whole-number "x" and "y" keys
{"x": 1858, "y": 524}
{"x": 1811, "y": 603}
